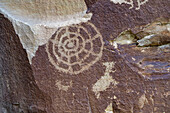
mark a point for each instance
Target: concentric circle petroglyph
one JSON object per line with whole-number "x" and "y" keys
{"x": 75, "y": 48}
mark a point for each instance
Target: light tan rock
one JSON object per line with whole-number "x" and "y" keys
{"x": 36, "y": 20}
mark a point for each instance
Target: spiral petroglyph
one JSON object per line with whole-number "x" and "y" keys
{"x": 73, "y": 49}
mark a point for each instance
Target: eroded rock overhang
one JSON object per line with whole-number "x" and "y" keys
{"x": 36, "y": 21}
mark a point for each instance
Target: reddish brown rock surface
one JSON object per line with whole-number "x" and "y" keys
{"x": 18, "y": 90}
{"x": 133, "y": 92}
{"x": 109, "y": 76}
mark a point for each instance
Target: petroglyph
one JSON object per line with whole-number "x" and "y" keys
{"x": 142, "y": 101}
{"x": 74, "y": 49}
{"x": 63, "y": 87}
{"x": 109, "y": 109}
{"x": 36, "y": 20}
{"x": 104, "y": 82}
{"x": 141, "y": 2}
{"x": 130, "y": 2}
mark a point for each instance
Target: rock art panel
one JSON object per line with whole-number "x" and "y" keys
{"x": 121, "y": 87}
{"x": 73, "y": 49}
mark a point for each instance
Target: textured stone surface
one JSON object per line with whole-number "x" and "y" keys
{"x": 112, "y": 80}
{"x": 35, "y": 21}
{"x": 82, "y": 72}
{"x": 147, "y": 51}
{"x": 18, "y": 90}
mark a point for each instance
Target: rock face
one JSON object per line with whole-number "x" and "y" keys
{"x": 36, "y": 21}
{"x": 82, "y": 69}
{"x": 18, "y": 90}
